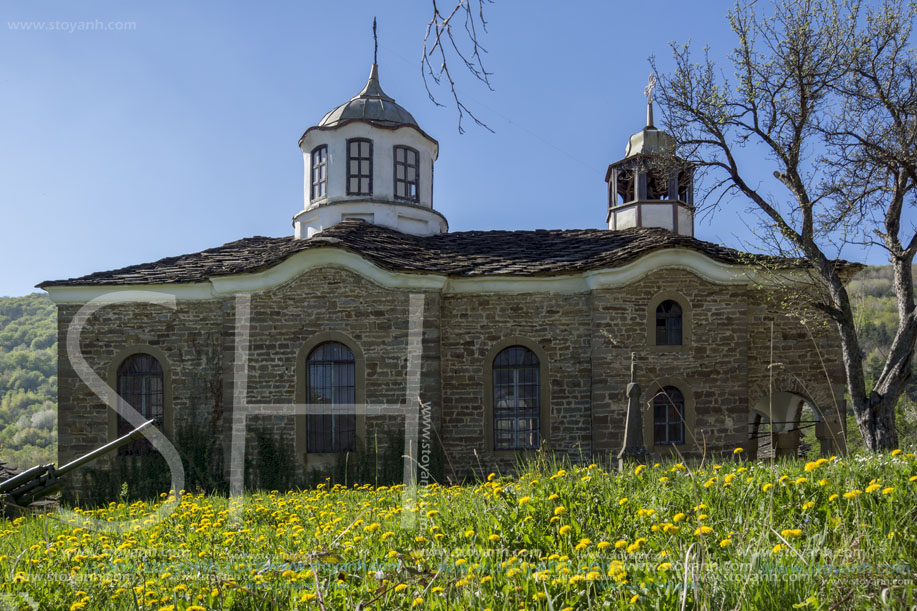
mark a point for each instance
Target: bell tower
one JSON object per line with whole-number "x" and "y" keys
{"x": 651, "y": 186}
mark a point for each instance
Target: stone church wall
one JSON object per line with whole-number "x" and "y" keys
{"x": 584, "y": 340}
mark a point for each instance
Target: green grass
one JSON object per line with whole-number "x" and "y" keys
{"x": 738, "y": 535}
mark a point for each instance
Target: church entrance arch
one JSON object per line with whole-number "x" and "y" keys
{"x": 789, "y": 424}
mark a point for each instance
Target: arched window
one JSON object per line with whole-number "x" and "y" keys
{"x": 668, "y": 323}
{"x": 330, "y": 382}
{"x": 319, "y": 172}
{"x": 359, "y": 166}
{"x": 407, "y": 168}
{"x": 140, "y": 385}
{"x": 668, "y": 417}
{"x": 517, "y": 399}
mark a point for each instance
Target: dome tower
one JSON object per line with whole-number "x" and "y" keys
{"x": 651, "y": 186}
{"x": 369, "y": 159}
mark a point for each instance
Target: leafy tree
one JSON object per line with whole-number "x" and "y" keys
{"x": 28, "y": 380}
{"x": 824, "y": 92}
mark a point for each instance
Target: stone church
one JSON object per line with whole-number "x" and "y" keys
{"x": 524, "y": 340}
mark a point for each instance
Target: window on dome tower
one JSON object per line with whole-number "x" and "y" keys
{"x": 359, "y": 166}
{"x": 319, "y": 172}
{"x": 406, "y": 170}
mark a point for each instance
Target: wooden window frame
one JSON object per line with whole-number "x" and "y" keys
{"x": 361, "y": 174}
{"x": 323, "y": 166}
{"x": 689, "y": 416}
{"x": 687, "y": 315}
{"x": 415, "y": 166}
{"x": 671, "y": 404}
{"x": 544, "y": 396}
{"x": 671, "y": 332}
{"x": 335, "y": 445}
{"x": 300, "y": 397}
{"x": 515, "y": 413}
{"x": 165, "y": 423}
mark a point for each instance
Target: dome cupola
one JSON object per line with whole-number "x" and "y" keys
{"x": 371, "y": 105}
{"x": 651, "y": 186}
{"x": 368, "y": 159}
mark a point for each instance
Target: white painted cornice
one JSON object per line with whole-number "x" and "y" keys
{"x": 303, "y": 262}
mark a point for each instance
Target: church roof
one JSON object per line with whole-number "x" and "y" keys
{"x": 372, "y": 105}
{"x": 462, "y": 253}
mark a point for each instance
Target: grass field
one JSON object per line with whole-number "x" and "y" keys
{"x": 830, "y": 534}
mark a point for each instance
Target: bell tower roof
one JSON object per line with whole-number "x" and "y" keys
{"x": 650, "y": 140}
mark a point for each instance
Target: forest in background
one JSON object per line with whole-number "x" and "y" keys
{"x": 28, "y": 367}
{"x": 28, "y": 380}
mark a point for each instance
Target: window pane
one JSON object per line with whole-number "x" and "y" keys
{"x": 140, "y": 386}
{"x": 516, "y": 399}
{"x": 330, "y": 381}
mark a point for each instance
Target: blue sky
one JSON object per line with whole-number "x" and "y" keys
{"x": 174, "y": 127}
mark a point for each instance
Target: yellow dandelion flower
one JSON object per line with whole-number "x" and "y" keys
{"x": 725, "y": 542}
{"x": 833, "y": 497}
{"x": 603, "y": 545}
{"x": 778, "y": 548}
{"x": 622, "y": 501}
{"x": 810, "y": 466}
{"x": 738, "y": 451}
{"x": 620, "y": 543}
{"x": 664, "y": 566}
{"x": 525, "y": 500}
{"x": 634, "y": 598}
{"x": 639, "y": 469}
{"x": 808, "y": 505}
{"x": 852, "y": 494}
{"x": 493, "y": 537}
{"x": 565, "y": 529}
{"x": 872, "y": 488}
{"x": 896, "y": 452}
{"x": 702, "y": 530}
{"x": 401, "y": 587}
{"x": 790, "y": 533}
{"x": 678, "y": 517}
{"x": 767, "y": 487}
{"x": 887, "y": 490}
{"x": 417, "y": 601}
{"x": 560, "y": 510}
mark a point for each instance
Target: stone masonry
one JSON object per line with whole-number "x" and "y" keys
{"x": 723, "y": 368}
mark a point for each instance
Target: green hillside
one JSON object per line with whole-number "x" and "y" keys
{"x": 28, "y": 380}
{"x": 28, "y": 369}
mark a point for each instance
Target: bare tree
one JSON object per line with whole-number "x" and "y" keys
{"x": 825, "y": 91}
{"x": 441, "y": 44}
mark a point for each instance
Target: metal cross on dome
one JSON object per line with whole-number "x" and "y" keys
{"x": 648, "y": 90}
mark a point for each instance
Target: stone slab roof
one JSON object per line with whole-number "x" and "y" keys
{"x": 463, "y": 253}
